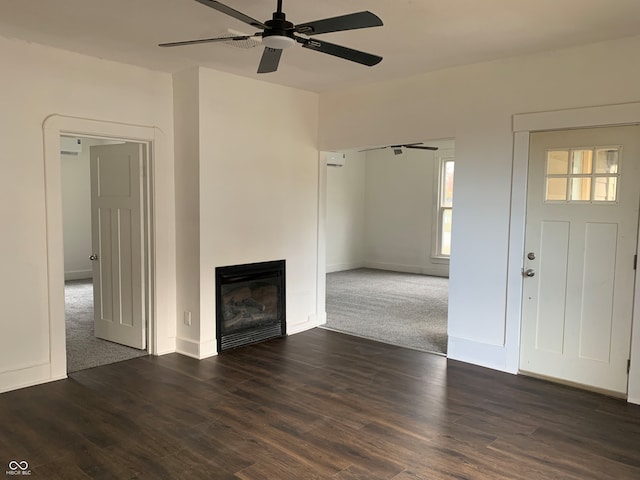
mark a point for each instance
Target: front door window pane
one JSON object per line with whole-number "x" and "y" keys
{"x": 581, "y": 161}
{"x": 607, "y": 160}
{"x": 556, "y": 189}
{"x": 558, "y": 162}
{"x": 605, "y": 189}
{"x": 581, "y": 189}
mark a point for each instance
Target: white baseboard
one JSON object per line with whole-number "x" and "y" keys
{"x": 164, "y": 346}
{"x": 340, "y": 267}
{"x": 320, "y": 319}
{"x": 208, "y": 348}
{"x": 27, "y": 376}
{"x": 313, "y": 321}
{"x": 160, "y": 353}
{"x": 194, "y": 349}
{"x": 436, "y": 270}
{"x": 78, "y": 275}
{"x": 481, "y": 354}
{"x": 190, "y": 348}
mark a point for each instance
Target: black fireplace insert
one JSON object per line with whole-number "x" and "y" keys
{"x": 250, "y": 303}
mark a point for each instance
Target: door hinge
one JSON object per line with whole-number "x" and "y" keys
{"x": 628, "y": 365}
{"x": 635, "y": 262}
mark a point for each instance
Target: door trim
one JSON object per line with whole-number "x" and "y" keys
{"x": 53, "y": 127}
{"x": 523, "y": 126}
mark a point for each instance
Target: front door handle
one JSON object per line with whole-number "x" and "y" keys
{"x": 93, "y": 257}
{"x": 530, "y": 272}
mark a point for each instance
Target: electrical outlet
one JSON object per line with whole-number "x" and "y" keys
{"x": 187, "y": 318}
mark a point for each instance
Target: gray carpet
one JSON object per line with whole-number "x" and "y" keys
{"x": 399, "y": 308}
{"x": 83, "y": 349}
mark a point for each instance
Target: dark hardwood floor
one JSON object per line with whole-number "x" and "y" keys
{"x": 317, "y": 405}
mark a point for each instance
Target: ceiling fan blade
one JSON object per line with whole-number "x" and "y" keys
{"x": 205, "y": 40}
{"x": 357, "y": 56}
{"x": 374, "y": 148}
{"x": 270, "y": 60}
{"x": 396, "y": 148}
{"x": 232, "y": 13}
{"x": 352, "y": 21}
{"x": 425, "y": 147}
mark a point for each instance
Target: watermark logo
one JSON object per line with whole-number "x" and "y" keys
{"x": 18, "y": 468}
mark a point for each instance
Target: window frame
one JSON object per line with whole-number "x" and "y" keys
{"x": 592, "y": 176}
{"x": 439, "y": 208}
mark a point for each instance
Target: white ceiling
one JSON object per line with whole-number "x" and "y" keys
{"x": 418, "y": 35}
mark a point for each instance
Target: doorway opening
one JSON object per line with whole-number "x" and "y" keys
{"x": 388, "y": 239}
{"x": 105, "y": 236}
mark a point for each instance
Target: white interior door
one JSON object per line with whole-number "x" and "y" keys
{"x": 581, "y": 240}
{"x": 117, "y": 239}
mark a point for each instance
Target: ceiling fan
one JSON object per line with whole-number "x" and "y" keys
{"x": 397, "y": 149}
{"x": 278, "y": 34}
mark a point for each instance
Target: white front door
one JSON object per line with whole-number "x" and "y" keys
{"x": 581, "y": 239}
{"x": 117, "y": 239}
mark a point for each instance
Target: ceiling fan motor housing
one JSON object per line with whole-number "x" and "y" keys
{"x": 279, "y": 32}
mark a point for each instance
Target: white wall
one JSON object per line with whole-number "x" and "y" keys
{"x": 475, "y": 104}
{"x": 76, "y": 214}
{"x": 345, "y": 222}
{"x": 258, "y": 194}
{"x": 186, "y": 95}
{"x": 76, "y": 211}
{"x": 40, "y": 82}
{"x": 400, "y": 211}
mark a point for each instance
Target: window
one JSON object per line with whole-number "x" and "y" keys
{"x": 445, "y": 207}
{"x": 584, "y": 175}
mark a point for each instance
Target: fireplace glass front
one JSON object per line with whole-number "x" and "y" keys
{"x": 250, "y": 303}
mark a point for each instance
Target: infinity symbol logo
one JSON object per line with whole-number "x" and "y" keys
{"x": 13, "y": 465}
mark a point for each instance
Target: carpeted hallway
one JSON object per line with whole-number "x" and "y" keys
{"x": 399, "y": 308}
{"x": 83, "y": 349}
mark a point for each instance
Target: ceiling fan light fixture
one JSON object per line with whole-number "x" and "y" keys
{"x": 278, "y": 42}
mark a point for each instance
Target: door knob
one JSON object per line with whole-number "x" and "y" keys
{"x": 93, "y": 257}
{"x": 530, "y": 272}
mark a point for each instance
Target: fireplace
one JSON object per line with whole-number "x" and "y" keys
{"x": 250, "y": 303}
